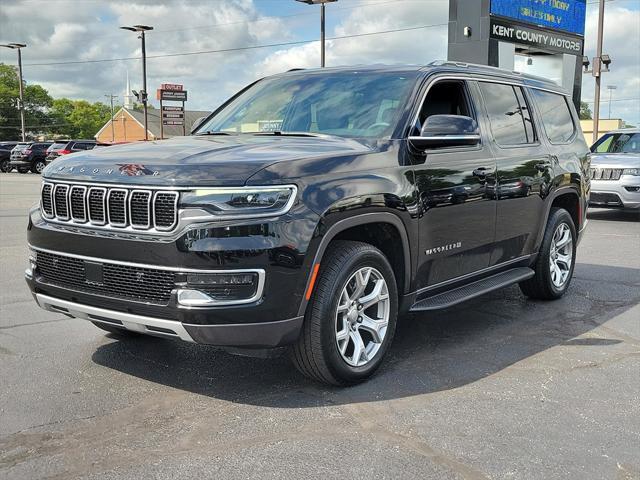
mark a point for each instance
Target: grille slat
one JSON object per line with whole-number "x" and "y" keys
{"x": 77, "y": 203}
{"x": 147, "y": 285}
{"x": 110, "y": 207}
{"x": 140, "y": 205}
{"x": 164, "y": 210}
{"x": 606, "y": 173}
{"x": 61, "y": 201}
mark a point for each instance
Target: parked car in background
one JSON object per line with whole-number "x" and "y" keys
{"x": 615, "y": 170}
{"x": 5, "y": 155}
{"x": 30, "y": 156}
{"x": 64, "y": 147}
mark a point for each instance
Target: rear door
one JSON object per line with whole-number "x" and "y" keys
{"x": 524, "y": 170}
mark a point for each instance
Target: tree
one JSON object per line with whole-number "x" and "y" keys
{"x": 585, "y": 111}
{"x": 36, "y": 105}
{"x": 78, "y": 118}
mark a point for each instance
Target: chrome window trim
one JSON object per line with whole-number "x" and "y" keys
{"x": 176, "y": 218}
{"x": 149, "y": 210}
{"x": 476, "y": 78}
{"x": 66, "y": 199}
{"x": 124, "y": 207}
{"x": 104, "y": 206}
{"x": 84, "y": 201}
{"x": 53, "y": 207}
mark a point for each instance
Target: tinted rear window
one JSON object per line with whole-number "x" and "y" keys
{"x": 556, "y": 116}
{"x": 508, "y": 114}
{"x": 58, "y": 146}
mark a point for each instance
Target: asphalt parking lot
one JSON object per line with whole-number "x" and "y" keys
{"x": 501, "y": 387}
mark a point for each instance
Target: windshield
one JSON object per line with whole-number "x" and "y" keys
{"x": 618, "y": 143}
{"x": 352, "y": 104}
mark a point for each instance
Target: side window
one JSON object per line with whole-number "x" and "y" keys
{"x": 508, "y": 114}
{"x": 556, "y": 116}
{"x": 445, "y": 98}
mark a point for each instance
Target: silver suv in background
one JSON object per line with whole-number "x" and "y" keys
{"x": 615, "y": 170}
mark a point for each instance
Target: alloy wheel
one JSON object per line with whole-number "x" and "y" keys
{"x": 39, "y": 167}
{"x": 362, "y": 316}
{"x": 561, "y": 255}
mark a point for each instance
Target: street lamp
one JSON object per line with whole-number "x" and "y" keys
{"x": 611, "y": 88}
{"x": 19, "y": 46}
{"x": 321, "y": 2}
{"x": 143, "y": 94}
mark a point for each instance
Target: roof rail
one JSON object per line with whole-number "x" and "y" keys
{"x": 295, "y": 69}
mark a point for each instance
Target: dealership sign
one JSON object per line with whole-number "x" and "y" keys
{"x": 543, "y": 38}
{"x": 176, "y": 87}
{"x": 566, "y": 15}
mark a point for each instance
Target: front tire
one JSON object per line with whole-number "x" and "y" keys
{"x": 351, "y": 318}
{"x": 38, "y": 166}
{"x": 23, "y": 170}
{"x": 5, "y": 167}
{"x": 556, "y": 259}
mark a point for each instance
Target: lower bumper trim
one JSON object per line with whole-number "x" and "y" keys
{"x": 241, "y": 335}
{"x": 136, "y": 323}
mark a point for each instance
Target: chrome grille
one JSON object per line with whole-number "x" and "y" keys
{"x": 147, "y": 285}
{"x": 606, "y": 173}
{"x": 110, "y": 207}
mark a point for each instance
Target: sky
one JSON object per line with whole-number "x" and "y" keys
{"x": 62, "y": 31}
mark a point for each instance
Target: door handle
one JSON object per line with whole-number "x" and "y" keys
{"x": 481, "y": 172}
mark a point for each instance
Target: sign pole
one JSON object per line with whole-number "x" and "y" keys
{"x": 161, "y": 122}
{"x": 597, "y": 72}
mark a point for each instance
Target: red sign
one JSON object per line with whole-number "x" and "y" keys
{"x": 176, "y": 87}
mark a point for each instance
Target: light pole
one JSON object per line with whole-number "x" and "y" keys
{"x": 113, "y": 132}
{"x": 611, "y": 88}
{"x": 322, "y": 3}
{"x": 143, "y": 94}
{"x": 19, "y": 46}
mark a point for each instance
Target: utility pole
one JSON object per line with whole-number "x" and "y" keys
{"x": 111, "y": 96}
{"x": 322, "y": 18}
{"x": 597, "y": 72}
{"x": 143, "y": 94}
{"x": 19, "y": 46}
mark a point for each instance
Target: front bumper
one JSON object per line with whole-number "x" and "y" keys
{"x": 253, "y": 335}
{"x": 15, "y": 163}
{"x": 276, "y": 247}
{"x": 622, "y": 193}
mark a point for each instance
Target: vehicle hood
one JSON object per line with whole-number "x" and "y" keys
{"x": 615, "y": 160}
{"x": 195, "y": 160}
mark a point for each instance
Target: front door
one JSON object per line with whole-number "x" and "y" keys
{"x": 458, "y": 213}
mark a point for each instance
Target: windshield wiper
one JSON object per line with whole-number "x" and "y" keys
{"x": 211, "y": 132}
{"x": 280, "y": 133}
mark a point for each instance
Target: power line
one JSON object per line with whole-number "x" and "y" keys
{"x": 632, "y": 99}
{"x": 235, "y": 49}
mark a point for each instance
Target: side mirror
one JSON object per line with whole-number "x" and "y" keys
{"x": 197, "y": 124}
{"x": 446, "y": 131}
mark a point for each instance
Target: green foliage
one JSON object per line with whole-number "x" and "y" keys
{"x": 78, "y": 118}
{"x": 585, "y": 111}
{"x": 36, "y": 104}
{"x": 44, "y": 115}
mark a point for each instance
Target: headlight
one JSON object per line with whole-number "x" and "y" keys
{"x": 243, "y": 201}
{"x": 631, "y": 171}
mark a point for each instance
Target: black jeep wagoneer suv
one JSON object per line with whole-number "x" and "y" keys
{"x": 313, "y": 208}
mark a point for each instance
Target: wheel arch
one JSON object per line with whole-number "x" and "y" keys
{"x": 341, "y": 230}
{"x": 569, "y": 199}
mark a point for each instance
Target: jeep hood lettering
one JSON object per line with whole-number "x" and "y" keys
{"x": 196, "y": 160}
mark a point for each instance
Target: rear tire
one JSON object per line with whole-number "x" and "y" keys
{"x": 5, "y": 167}
{"x": 23, "y": 170}
{"x": 121, "y": 332}
{"x": 351, "y": 318}
{"x": 556, "y": 259}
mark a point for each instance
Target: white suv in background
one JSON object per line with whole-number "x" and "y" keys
{"x": 615, "y": 170}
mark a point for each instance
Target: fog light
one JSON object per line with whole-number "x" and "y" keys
{"x": 211, "y": 289}
{"x": 31, "y": 264}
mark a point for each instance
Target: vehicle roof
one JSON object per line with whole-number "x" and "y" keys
{"x": 442, "y": 67}
{"x": 67, "y": 140}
